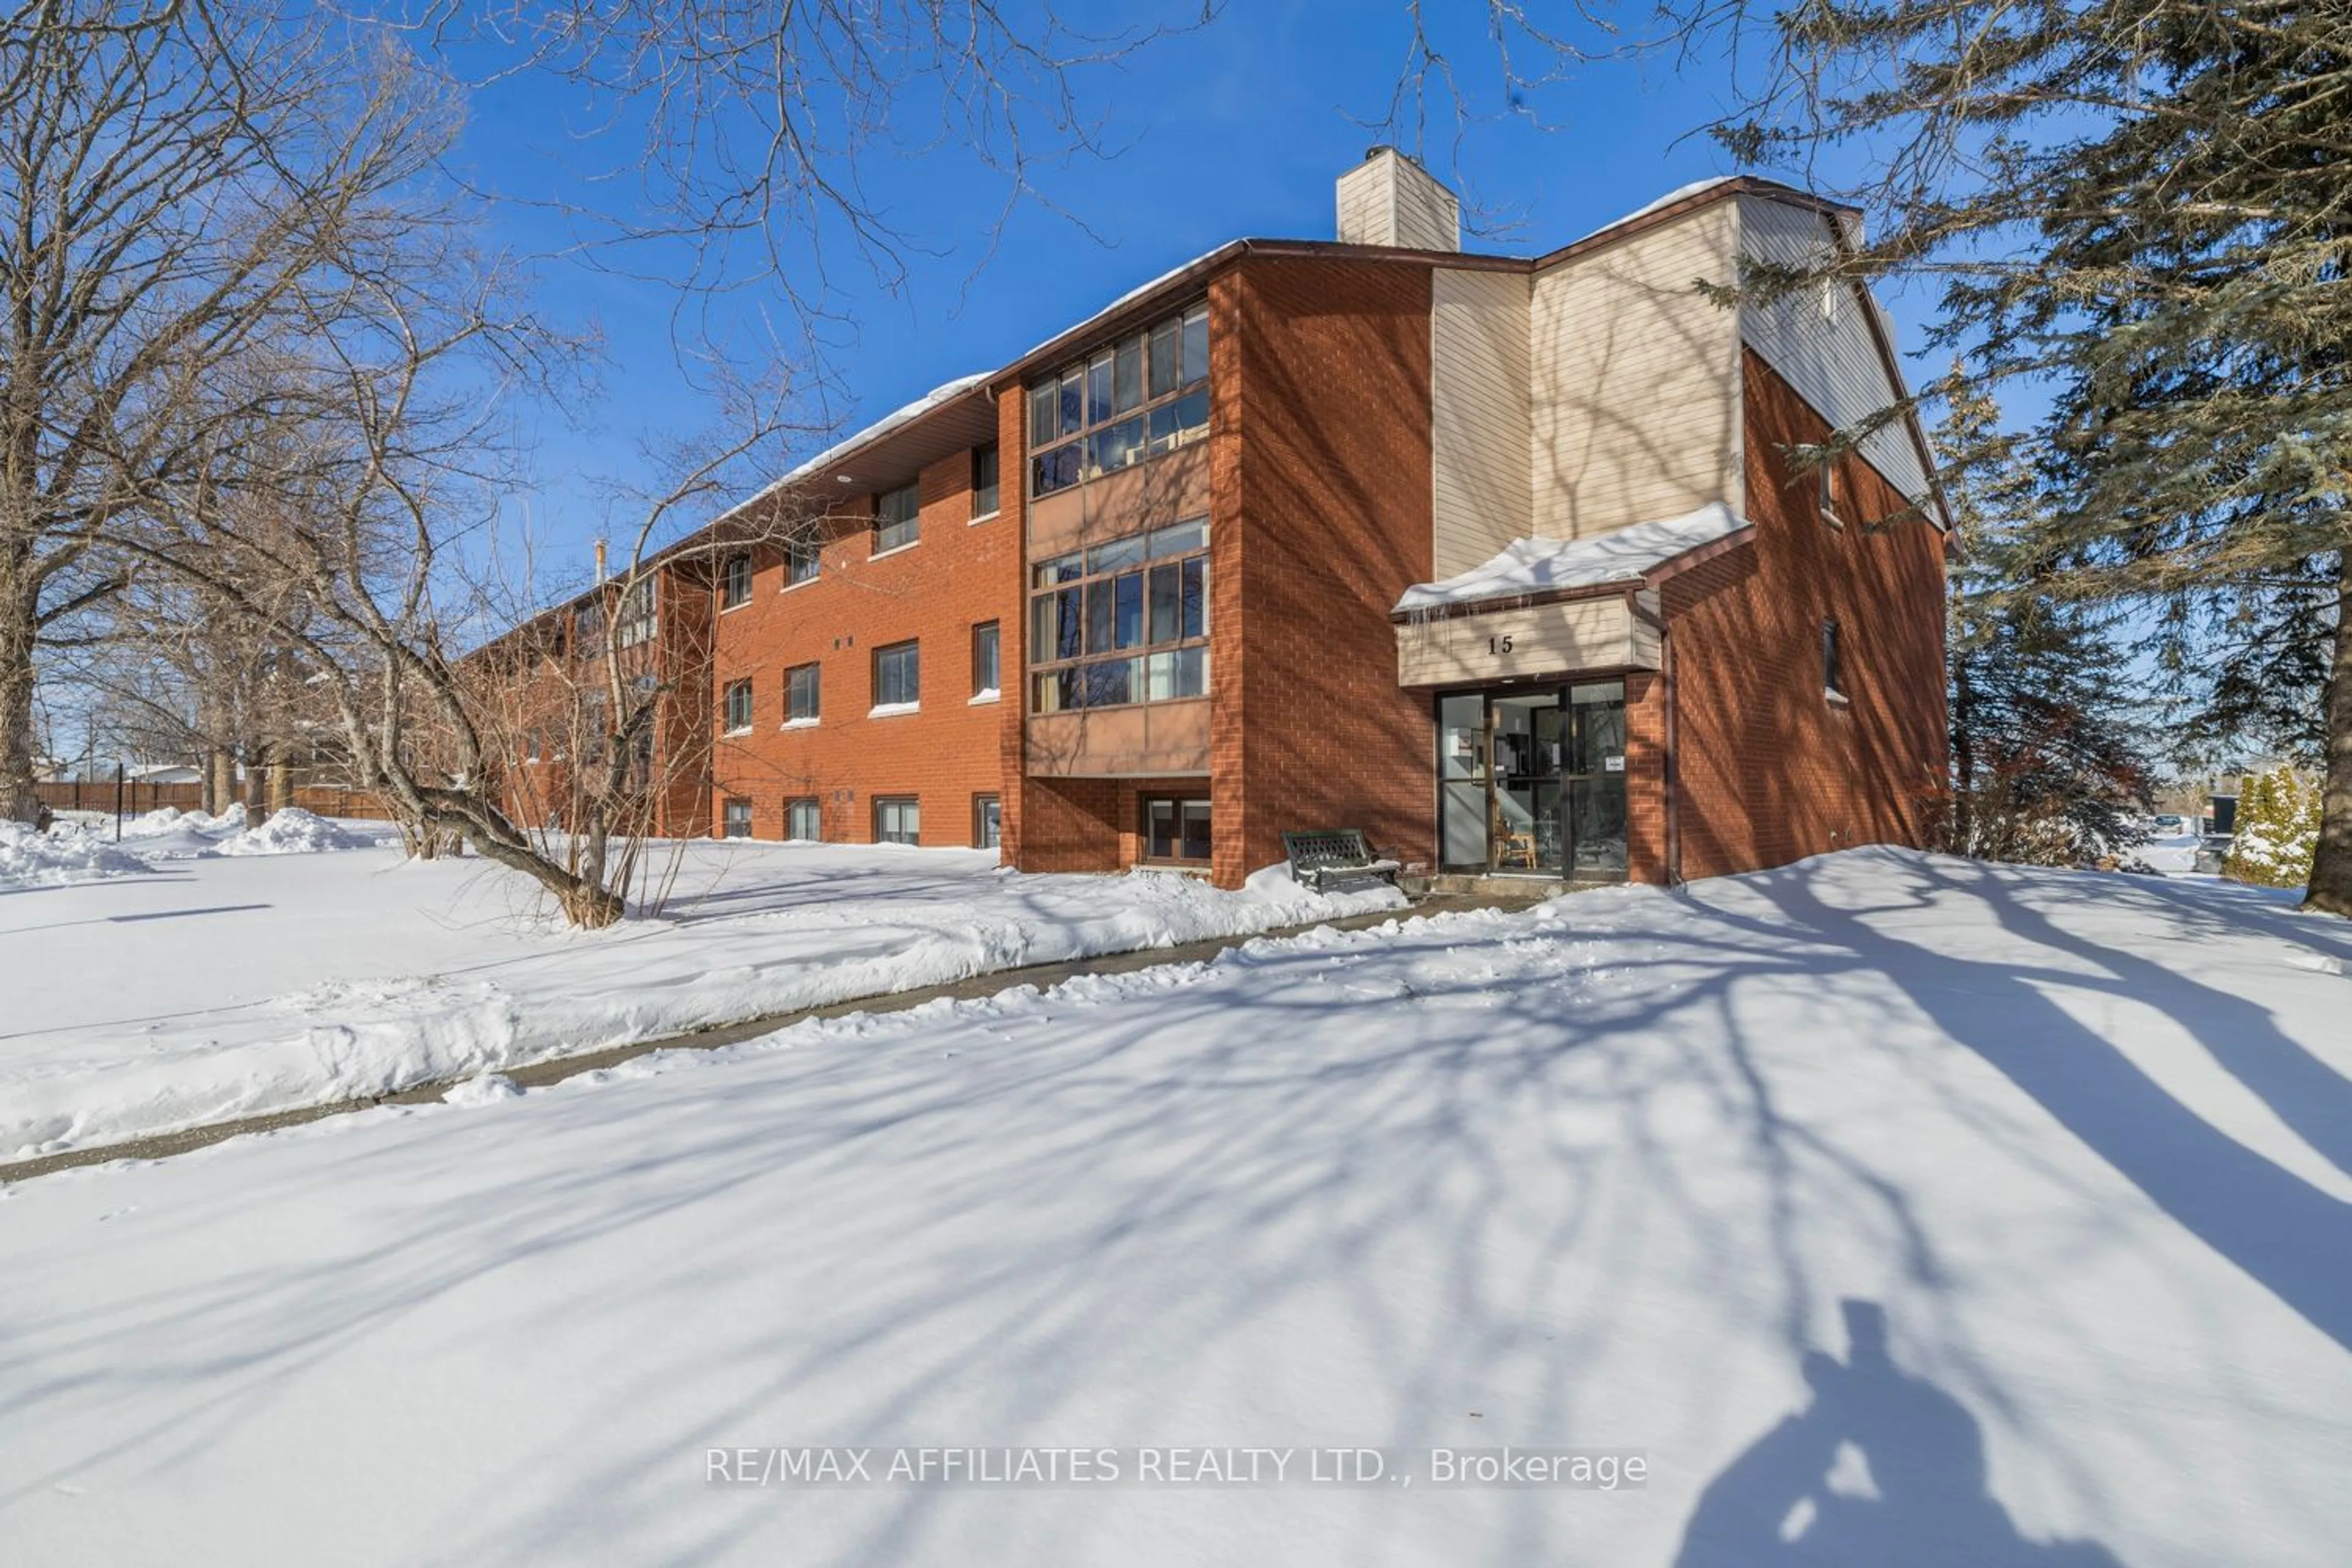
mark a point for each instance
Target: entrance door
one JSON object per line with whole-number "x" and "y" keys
{"x": 1533, "y": 783}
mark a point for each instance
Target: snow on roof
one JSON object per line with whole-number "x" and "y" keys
{"x": 1528, "y": 566}
{"x": 1680, "y": 193}
{"x": 906, "y": 415}
{"x": 1138, "y": 292}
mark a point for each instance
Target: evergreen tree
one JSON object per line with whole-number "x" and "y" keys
{"x": 2277, "y": 830}
{"x": 2048, "y": 761}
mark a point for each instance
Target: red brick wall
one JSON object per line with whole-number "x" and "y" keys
{"x": 1768, "y": 769}
{"x": 960, "y": 572}
{"x": 1320, "y": 471}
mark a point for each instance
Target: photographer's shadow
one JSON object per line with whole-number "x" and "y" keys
{"x": 1881, "y": 1467}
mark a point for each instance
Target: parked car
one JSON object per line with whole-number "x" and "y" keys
{"x": 2167, "y": 824}
{"x": 2212, "y": 849}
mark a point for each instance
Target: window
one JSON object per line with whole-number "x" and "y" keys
{"x": 1176, "y": 830}
{"x": 983, "y": 481}
{"x": 899, "y": 675}
{"x": 637, "y": 623}
{"x": 984, "y": 673}
{"x": 804, "y": 821}
{"x": 897, "y": 518}
{"x": 987, "y": 821}
{"x": 1832, "y": 677}
{"x": 532, "y": 746}
{"x": 1126, "y": 621}
{"x": 802, "y": 694}
{"x": 739, "y": 706}
{"x": 735, "y": 582}
{"x": 1825, "y": 494}
{"x": 738, "y": 819}
{"x": 1145, "y": 394}
{"x": 588, "y": 627}
{"x": 800, "y": 561}
{"x": 897, "y": 819}
{"x": 593, "y": 726}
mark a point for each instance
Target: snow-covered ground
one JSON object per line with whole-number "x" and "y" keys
{"x": 1896, "y": 1210}
{"x": 201, "y": 971}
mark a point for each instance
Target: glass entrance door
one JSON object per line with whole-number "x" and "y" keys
{"x": 1533, "y": 783}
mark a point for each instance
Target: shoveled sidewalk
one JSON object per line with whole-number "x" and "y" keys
{"x": 555, "y": 1070}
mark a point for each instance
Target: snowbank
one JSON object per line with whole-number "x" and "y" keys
{"x": 357, "y": 974}
{"x": 1528, "y": 566}
{"x": 1898, "y": 1210}
{"x": 32, "y": 858}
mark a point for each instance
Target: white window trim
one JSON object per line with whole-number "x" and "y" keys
{"x": 895, "y": 549}
{"x": 985, "y": 517}
{"x": 811, "y": 722}
{"x": 984, "y": 695}
{"x": 894, "y": 710}
{"x": 738, "y": 729}
{"x": 1836, "y": 699}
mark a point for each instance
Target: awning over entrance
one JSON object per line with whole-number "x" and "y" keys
{"x": 1554, "y": 607}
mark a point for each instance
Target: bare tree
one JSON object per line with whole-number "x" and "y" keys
{"x": 177, "y": 181}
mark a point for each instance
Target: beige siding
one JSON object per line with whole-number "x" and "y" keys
{"x": 1543, "y": 639}
{"x": 1821, "y": 339}
{"x": 1392, "y": 200}
{"x": 1635, "y": 384}
{"x": 1479, "y": 415}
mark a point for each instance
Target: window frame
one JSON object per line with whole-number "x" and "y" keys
{"x": 987, "y": 497}
{"x": 988, "y": 681}
{"x": 639, "y": 612}
{"x": 987, "y": 812}
{"x": 728, "y": 816}
{"x": 1104, "y": 612}
{"x": 893, "y": 532}
{"x": 815, "y": 807}
{"x": 885, "y": 803}
{"x": 728, "y": 596}
{"x": 907, "y": 645}
{"x": 1833, "y": 661}
{"x": 1180, "y": 805}
{"x": 1093, "y": 399}
{"x": 815, "y": 673}
{"x": 741, "y": 686}
{"x": 803, "y": 561}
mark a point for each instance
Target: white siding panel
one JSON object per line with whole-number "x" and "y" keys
{"x": 1479, "y": 415}
{"x": 1635, "y": 381}
{"x": 1821, "y": 343}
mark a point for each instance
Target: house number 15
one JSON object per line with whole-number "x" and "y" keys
{"x": 1498, "y": 645}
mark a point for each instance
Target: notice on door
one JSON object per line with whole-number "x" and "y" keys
{"x": 1613, "y": 765}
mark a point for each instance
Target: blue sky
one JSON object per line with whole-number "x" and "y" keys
{"x": 1236, "y": 129}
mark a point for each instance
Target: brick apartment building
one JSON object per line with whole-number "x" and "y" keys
{"x": 1500, "y": 560}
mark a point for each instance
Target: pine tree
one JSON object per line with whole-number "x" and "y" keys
{"x": 2048, "y": 763}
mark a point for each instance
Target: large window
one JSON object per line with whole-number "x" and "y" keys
{"x": 1145, "y": 394}
{"x": 800, "y": 561}
{"x": 899, "y": 675}
{"x": 897, "y": 518}
{"x": 735, "y": 582}
{"x": 803, "y": 820}
{"x": 739, "y": 706}
{"x": 986, "y": 675}
{"x": 803, "y": 693}
{"x": 737, "y": 819}
{"x": 897, "y": 819}
{"x": 1123, "y": 622}
{"x": 1176, "y": 830}
{"x": 983, "y": 481}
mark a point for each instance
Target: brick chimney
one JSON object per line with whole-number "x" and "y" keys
{"x": 1389, "y": 199}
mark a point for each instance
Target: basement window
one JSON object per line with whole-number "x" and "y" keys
{"x": 737, "y": 818}
{"x": 897, "y": 819}
{"x": 1176, "y": 830}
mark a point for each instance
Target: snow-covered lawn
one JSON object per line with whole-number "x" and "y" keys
{"x": 1896, "y": 1210}
{"x": 198, "y": 972}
